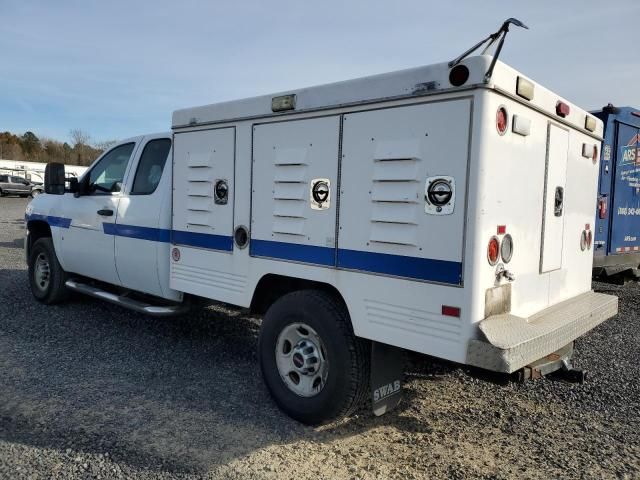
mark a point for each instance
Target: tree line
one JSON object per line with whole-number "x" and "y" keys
{"x": 28, "y": 147}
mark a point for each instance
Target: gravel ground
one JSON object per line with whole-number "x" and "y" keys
{"x": 88, "y": 390}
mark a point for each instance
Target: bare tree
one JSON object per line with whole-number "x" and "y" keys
{"x": 80, "y": 140}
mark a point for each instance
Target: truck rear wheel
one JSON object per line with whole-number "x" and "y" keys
{"x": 316, "y": 369}
{"x": 46, "y": 276}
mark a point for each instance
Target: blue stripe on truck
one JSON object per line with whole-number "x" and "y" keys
{"x": 428, "y": 269}
{"x": 202, "y": 240}
{"x": 133, "y": 231}
{"x": 53, "y": 221}
{"x": 190, "y": 239}
{"x": 293, "y": 251}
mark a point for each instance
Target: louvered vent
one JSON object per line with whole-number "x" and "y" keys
{"x": 199, "y": 190}
{"x": 290, "y": 191}
{"x": 395, "y": 196}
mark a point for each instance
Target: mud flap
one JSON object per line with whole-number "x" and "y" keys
{"x": 387, "y": 370}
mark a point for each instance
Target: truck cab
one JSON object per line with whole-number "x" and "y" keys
{"x": 102, "y": 228}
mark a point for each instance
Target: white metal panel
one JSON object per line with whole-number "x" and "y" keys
{"x": 287, "y": 157}
{"x": 200, "y": 160}
{"x": 556, "y": 175}
{"x": 387, "y": 156}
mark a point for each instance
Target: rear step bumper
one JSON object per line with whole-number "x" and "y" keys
{"x": 126, "y": 302}
{"x": 511, "y": 343}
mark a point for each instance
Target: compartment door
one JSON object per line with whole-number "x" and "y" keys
{"x": 203, "y": 189}
{"x": 625, "y": 225}
{"x": 293, "y": 207}
{"x": 554, "y": 199}
{"x": 390, "y": 158}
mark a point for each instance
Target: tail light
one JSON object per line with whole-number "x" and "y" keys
{"x": 502, "y": 120}
{"x": 493, "y": 251}
{"x": 583, "y": 240}
{"x": 589, "y": 239}
{"x": 602, "y": 208}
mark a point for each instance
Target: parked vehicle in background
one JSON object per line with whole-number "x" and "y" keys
{"x": 616, "y": 256}
{"x": 14, "y": 185}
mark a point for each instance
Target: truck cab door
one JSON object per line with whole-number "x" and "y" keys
{"x": 143, "y": 222}
{"x": 87, "y": 247}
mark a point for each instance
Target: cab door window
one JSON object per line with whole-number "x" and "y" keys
{"x": 151, "y": 166}
{"x": 108, "y": 174}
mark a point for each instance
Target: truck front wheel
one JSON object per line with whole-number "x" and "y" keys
{"x": 46, "y": 276}
{"x": 316, "y": 369}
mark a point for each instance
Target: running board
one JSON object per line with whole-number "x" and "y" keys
{"x": 126, "y": 302}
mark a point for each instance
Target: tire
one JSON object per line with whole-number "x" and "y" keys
{"x": 1, "y": 193}
{"x": 47, "y": 288}
{"x": 344, "y": 358}
{"x": 35, "y": 193}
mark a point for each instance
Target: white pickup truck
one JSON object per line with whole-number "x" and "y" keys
{"x": 445, "y": 209}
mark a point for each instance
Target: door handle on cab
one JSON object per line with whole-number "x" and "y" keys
{"x": 105, "y": 212}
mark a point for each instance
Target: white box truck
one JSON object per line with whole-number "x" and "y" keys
{"x": 445, "y": 209}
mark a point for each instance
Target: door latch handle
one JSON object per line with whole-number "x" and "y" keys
{"x": 105, "y": 212}
{"x": 559, "y": 201}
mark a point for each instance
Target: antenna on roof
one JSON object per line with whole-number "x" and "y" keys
{"x": 500, "y": 34}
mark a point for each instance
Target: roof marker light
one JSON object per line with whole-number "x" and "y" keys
{"x": 562, "y": 109}
{"x": 524, "y": 88}
{"x": 458, "y": 75}
{"x": 284, "y": 102}
{"x": 590, "y": 123}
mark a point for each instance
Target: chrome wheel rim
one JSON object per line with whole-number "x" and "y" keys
{"x": 302, "y": 360}
{"x": 42, "y": 272}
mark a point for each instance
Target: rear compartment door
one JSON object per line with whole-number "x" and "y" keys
{"x": 625, "y": 225}
{"x": 554, "y": 199}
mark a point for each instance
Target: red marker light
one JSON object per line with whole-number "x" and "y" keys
{"x": 502, "y": 229}
{"x": 493, "y": 251}
{"x": 602, "y": 208}
{"x": 450, "y": 311}
{"x": 501, "y": 120}
{"x": 562, "y": 109}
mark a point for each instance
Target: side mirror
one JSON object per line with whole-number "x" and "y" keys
{"x": 54, "y": 179}
{"x": 73, "y": 185}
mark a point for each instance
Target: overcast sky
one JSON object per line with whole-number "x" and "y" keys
{"x": 119, "y": 68}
